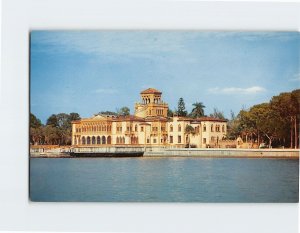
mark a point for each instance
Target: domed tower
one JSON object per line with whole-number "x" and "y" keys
{"x": 151, "y": 104}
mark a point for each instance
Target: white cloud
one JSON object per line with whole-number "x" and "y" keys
{"x": 106, "y": 91}
{"x": 237, "y": 90}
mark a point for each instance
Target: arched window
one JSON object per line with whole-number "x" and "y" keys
{"x": 223, "y": 128}
{"x": 93, "y": 140}
{"x": 98, "y": 140}
{"x": 83, "y": 140}
{"x": 103, "y": 140}
{"x": 212, "y": 128}
{"x": 204, "y": 128}
{"x": 171, "y": 128}
{"x": 179, "y": 128}
{"x": 109, "y": 140}
{"x": 135, "y": 128}
{"x": 88, "y": 140}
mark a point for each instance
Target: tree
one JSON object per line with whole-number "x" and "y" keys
{"x": 73, "y": 116}
{"x": 59, "y": 128}
{"x": 36, "y": 135}
{"x": 63, "y": 121}
{"x": 189, "y": 130}
{"x": 108, "y": 113}
{"x": 198, "y": 110}
{"x": 181, "y": 108}
{"x": 124, "y": 111}
{"x": 287, "y": 105}
{"x": 267, "y": 121}
{"x": 52, "y": 120}
{"x": 34, "y": 121}
{"x": 233, "y": 126}
{"x": 170, "y": 113}
{"x": 217, "y": 114}
{"x": 52, "y": 135}
{"x": 36, "y": 130}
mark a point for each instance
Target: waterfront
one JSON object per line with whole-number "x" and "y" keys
{"x": 164, "y": 179}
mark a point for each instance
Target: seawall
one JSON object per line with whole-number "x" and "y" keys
{"x": 166, "y": 152}
{"x": 217, "y": 152}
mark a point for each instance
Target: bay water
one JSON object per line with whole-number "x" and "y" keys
{"x": 146, "y": 179}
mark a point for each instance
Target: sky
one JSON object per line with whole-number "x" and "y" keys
{"x": 92, "y": 71}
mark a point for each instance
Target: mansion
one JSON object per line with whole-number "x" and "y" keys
{"x": 148, "y": 127}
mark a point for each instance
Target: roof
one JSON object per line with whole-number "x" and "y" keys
{"x": 156, "y": 118}
{"x": 211, "y": 119}
{"x": 194, "y": 120}
{"x": 128, "y": 118}
{"x": 151, "y": 91}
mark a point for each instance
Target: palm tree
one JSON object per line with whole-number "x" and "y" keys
{"x": 198, "y": 110}
{"x": 189, "y": 130}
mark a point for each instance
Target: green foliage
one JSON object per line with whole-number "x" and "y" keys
{"x": 108, "y": 113}
{"x": 181, "y": 108}
{"x": 124, "y": 111}
{"x": 275, "y": 122}
{"x": 52, "y": 120}
{"x": 189, "y": 129}
{"x": 198, "y": 110}
{"x": 170, "y": 113}
{"x": 34, "y": 121}
{"x": 73, "y": 116}
{"x": 58, "y": 130}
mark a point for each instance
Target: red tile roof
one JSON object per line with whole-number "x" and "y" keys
{"x": 211, "y": 119}
{"x": 151, "y": 91}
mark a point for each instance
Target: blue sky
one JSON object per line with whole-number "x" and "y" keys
{"x": 92, "y": 71}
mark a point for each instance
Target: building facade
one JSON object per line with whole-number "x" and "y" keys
{"x": 149, "y": 126}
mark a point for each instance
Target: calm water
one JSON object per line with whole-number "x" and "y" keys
{"x": 164, "y": 180}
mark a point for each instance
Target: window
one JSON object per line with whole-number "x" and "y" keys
{"x": 204, "y": 128}
{"x": 171, "y": 139}
{"x": 171, "y": 128}
{"x": 154, "y": 140}
{"x": 135, "y": 128}
{"x": 223, "y": 128}
{"x": 204, "y": 140}
{"x": 212, "y": 128}
{"x": 148, "y": 140}
{"x": 179, "y": 139}
{"x": 179, "y": 128}
{"x": 142, "y": 129}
